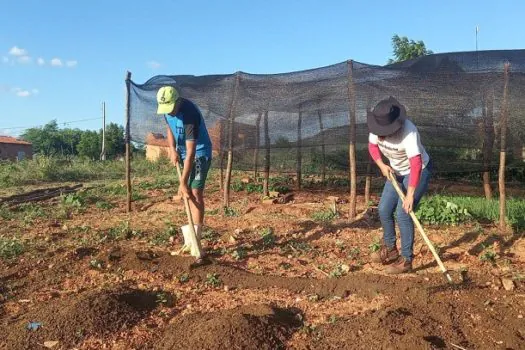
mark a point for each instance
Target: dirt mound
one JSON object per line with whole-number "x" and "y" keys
{"x": 72, "y": 319}
{"x": 471, "y": 318}
{"x": 248, "y": 327}
{"x": 172, "y": 266}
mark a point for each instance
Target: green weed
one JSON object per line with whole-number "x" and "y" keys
{"x": 324, "y": 215}
{"x": 10, "y": 248}
{"x": 230, "y": 212}
{"x": 212, "y": 279}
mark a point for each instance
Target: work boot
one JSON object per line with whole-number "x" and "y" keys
{"x": 384, "y": 255}
{"x": 401, "y": 265}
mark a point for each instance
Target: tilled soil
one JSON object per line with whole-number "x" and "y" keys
{"x": 471, "y": 317}
{"x": 247, "y": 327}
{"x": 70, "y": 320}
{"x": 88, "y": 293}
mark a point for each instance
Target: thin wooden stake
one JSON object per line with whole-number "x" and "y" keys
{"x": 128, "y": 146}
{"x": 351, "y": 148}
{"x": 257, "y": 145}
{"x": 368, "y": 181}
{"x": 488, "y": 141}
{"x": 503, "y": 150}
{"x": 227, "y": 180}
{"x": 299, "y": 151}
{"x": 323, "y": 150}
{"x": 266, "y": 155}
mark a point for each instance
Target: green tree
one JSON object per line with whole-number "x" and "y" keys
{"x": 90, "y": 144}
{"x": 70, "y": 139}
{"x": 46, "y": 140}
{"x": 405, "y": 49}
{"x": 115, "y": 144}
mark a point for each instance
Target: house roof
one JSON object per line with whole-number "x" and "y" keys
{"x": 13, "y": 140}
{"x": 154, "y": 139}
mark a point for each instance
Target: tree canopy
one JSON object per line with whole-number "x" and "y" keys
{"x": 406, "y": 49}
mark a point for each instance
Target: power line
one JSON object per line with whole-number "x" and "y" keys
{"x": 58, "y": 123}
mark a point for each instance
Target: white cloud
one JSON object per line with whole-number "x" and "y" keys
{"x": 56, "y": 62}
{"x": 154, "y": 64}
{"x": 5, "y": 59}
{"x": 71, "y": 63}
{"x": 16, "y": 51}
{"x": 24, "y": 59}
{"x": 23, "y": 93}
{"x": 40, "y": 61}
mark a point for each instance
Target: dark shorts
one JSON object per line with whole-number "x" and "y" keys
{"x": 199, "y": 172}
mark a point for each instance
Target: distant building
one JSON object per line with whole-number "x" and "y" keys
{"x": 15, "y": 149}
{"x": 243, "y": 138}
{"x": 156, "y": 147}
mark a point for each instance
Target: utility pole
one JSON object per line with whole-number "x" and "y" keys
{"x": 477, "y": 55}
{"x": 103, "y": 153}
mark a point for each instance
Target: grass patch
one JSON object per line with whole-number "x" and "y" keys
{"x": 477, "y": 208}
{"x": 324, "y": 215}
{"x": 10, "y": 248}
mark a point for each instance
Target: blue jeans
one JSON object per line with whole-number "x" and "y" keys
{"x": 390, "y": 203}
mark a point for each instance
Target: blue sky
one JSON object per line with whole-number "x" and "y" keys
{"x": 60, "y": 59}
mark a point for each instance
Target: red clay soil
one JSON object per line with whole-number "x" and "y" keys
{"x": 471, "y": 317}
{"x": 248, "y": 327}
{"x": 172, "y": 266}
{"x": 71, "y": 319}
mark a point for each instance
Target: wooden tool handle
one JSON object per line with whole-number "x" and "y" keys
{"x": 393, "y": 180}
{"x": 193, "y": 236}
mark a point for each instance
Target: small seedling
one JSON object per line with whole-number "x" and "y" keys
{"x": 96, "y": 264}
{"x": 488, "y": 255}
{"x": 164, "y": 298}
{"x": 375, "y": 246}
{"x": 212, "y": 212}
{"x": 184, "y": 278}
{"x": 163, "y": 237}
{"x": 212, "y": 279}
{"x": 314, "y": 298}
{"x": 239, "y": 253}
{"x": 268, "y": 238}
{"x": 339, "y": 271}
{"x": 230, "y": 212}
{"x": 354, "y": 253}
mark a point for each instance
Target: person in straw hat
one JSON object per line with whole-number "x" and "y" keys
{"x": 398, "y": 140}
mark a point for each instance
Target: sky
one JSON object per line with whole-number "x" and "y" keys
{"x": 61, "y": 59}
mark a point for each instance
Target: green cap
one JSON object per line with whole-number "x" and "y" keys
{"x": 167, "y": 97}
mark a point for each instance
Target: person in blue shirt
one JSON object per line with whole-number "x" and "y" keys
{"x": 189, "y": 142}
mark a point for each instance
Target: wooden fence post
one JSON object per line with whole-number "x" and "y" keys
{"x": 488, "y": 140}
{"x": 267, "y": 146}
{"x": 299, "y": 150}
{"x": 503, "y": 149}
{"x": 323, "y": 149}
{"x": 351, "y": 148}
{"x": 257, "y": 145}
{"x": 128, "y": 145}
{"x": 227, "y": 180}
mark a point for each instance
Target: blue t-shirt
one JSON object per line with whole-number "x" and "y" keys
{"x": 188, "y": 124}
